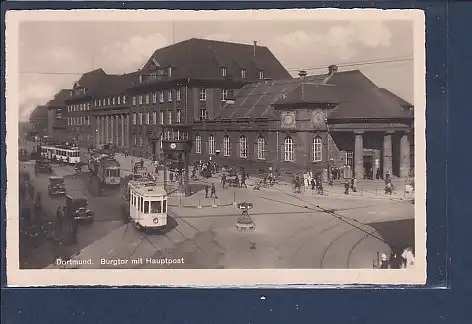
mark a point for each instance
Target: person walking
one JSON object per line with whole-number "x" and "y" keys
{"x": 354, "y": 184}
{"x": 223, "y": 180}
{"x": 346, "y": 187}
{"x": 206, "y": 190}
{"x": 213, "y": 191}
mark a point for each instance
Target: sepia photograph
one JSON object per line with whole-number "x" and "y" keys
{"x": 216, "y": 148}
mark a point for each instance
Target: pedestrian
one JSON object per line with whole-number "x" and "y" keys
{"x": 223, "y": 180}
{"x": 384, "y": 264}
{"x": 213, "y": 191}
{"x": 171, "y": 176}
{"x": 354, "y": 184}
{"x": 346, "y": 187}
{"x": 59, "y": 218}
{"x": 206, "y": 190}
{"x": 243, "y": 180}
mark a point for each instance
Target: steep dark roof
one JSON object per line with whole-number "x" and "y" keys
{"x": 202, "y": 58}
{"x": 355, "y": 95}
{"x": 92, "y": 80}
{"x": 361, "y": 98}
{"x": 405, "y": 104}
{"x": 113, "y": 85}
{"x": 256, "y": 100}
{"x": 40, "y": 112}
{"x": 59, "y": 99}
{"x": 311, "y": 93}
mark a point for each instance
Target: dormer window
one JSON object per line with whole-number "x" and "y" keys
{"x": 224, "y": 72}
{"x": 169, "y": 72}
{"x": 261, "y": 75}
{"x": 243, "y": 73}
{"x": 140, "y": 78}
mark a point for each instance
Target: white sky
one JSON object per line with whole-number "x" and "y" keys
{"x": 52, "y": 55}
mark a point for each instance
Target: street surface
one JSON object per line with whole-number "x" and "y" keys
{"x": 331, "y": 231}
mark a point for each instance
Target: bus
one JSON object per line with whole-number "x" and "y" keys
{"x": 145, "y": 204}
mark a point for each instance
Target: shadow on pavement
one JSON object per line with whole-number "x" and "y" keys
{"x": 397, "y": 234}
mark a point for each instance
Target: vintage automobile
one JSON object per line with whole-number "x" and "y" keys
{"x": 56, "y": 186}
{"x": 43, "y": 166}
{"x": 76, "y": 207}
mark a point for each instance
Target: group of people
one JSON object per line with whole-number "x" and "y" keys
{"x": 403, "y": 260}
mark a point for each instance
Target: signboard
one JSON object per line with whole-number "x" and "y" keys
{"x": 176, "y": 146}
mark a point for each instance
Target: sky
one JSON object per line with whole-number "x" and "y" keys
{"x": 54, "y": 54}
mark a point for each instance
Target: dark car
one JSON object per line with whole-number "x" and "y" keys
{"x": 76, "y": 207}
{"x": 42, "y": 166}
{"x": 56, "y": 186}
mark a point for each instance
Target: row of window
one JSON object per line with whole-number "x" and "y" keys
{"x": 289, "y": 152}
{"x": 168, "y": 136}
{"x": 79, "y": 107}
{"x": 242, "y": 73}
{"x": 78, "y": 121}
{"x": 77, "y": 92}
{"x": 110, "y": 101}
{"x": 146, "y": 99}
{"x": 170, "y": 119}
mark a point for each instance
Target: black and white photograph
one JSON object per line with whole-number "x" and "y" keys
{"x": 216, "y": 148}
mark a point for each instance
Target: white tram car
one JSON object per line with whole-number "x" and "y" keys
{"x": 147, "y": 203}
{"x": 67, "y": 154}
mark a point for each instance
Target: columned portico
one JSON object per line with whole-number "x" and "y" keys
{"x": 387, "y": 153}
{"x": 359, "y": 154}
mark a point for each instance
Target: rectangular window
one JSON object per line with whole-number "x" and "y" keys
{"x": 178, "y": 95}
{"x": 169, "y": 117}
{"x": 147, "y": 118}
{"x": 243, "y": 74}
{"x": 154, "y": 98}
{"x": 224, "y": 94}
{"x": 224, "y": 72}
{"x": 226, "y": 146}
{"x": 147, "y": 99}
{"x": 169, "y": 95}
{"x": 135, "y": 140}
{"x": 114, "y": 101}
{"x": 198, "y": 144}
{"x": 154, "y": 118}
{"x": 134, "y": 100}
{"x": 119, "y": 100}
{"x": 141, "y": 140}
{"x": 211, "y": 145}
{"x": 349, "y": 158}
{"x": 88, "y": 105}
{"x": 109, "y": 102}
{"x": 261, "y": 148}
{"x": 161, "y": 96}
{"x": 203, "y": 114}
{"x": 140, "y": 118}
{"x": 134, "y": 118}
{"x": 178, "y": 117}
{"x": 140, "y": 99}
{"x": 169, "y": 72}
{"x": 261, "y": 75}
{"x": 155, "y": 207}
{"x": 124, "y": 99}
{"x": 161, "y": 117}
{"x": 203, "y": 94}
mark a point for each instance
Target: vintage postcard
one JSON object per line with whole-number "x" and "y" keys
{"x": 216, "y": 148}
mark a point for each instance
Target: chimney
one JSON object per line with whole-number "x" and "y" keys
{"x": 332, "y": 69}
{"x": 302, "y": 74}
{"x": 255, "y": 46}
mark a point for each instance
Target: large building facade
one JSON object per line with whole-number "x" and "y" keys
{"x": 57, "y": 116}
{"x": 316, "y": 123}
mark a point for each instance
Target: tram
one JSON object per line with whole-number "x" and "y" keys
{"x": 64, "y": 153}
{"x": 145, "y": 204}
{"x": 107, "y": 169}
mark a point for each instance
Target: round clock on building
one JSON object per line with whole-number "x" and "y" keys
{"x": 318, "y": 118}
{"x": 288, "y": 120}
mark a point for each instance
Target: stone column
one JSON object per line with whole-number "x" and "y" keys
{"x": 359, "y": 154}
{"x": 404, "y": 155}
{"x": 103, "y": 129}
{"x": 106, "y": 129}
{"x": 387, "y": 153}
{"x": 127, "y": 125}
{"x": 122, "y": 130}
{"x": 97, "y": 130}
{"x": 112, "y": 130}
{"x": 117, "y": 133}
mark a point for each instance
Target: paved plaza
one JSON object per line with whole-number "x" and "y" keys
{"x": 331, "y": 231}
